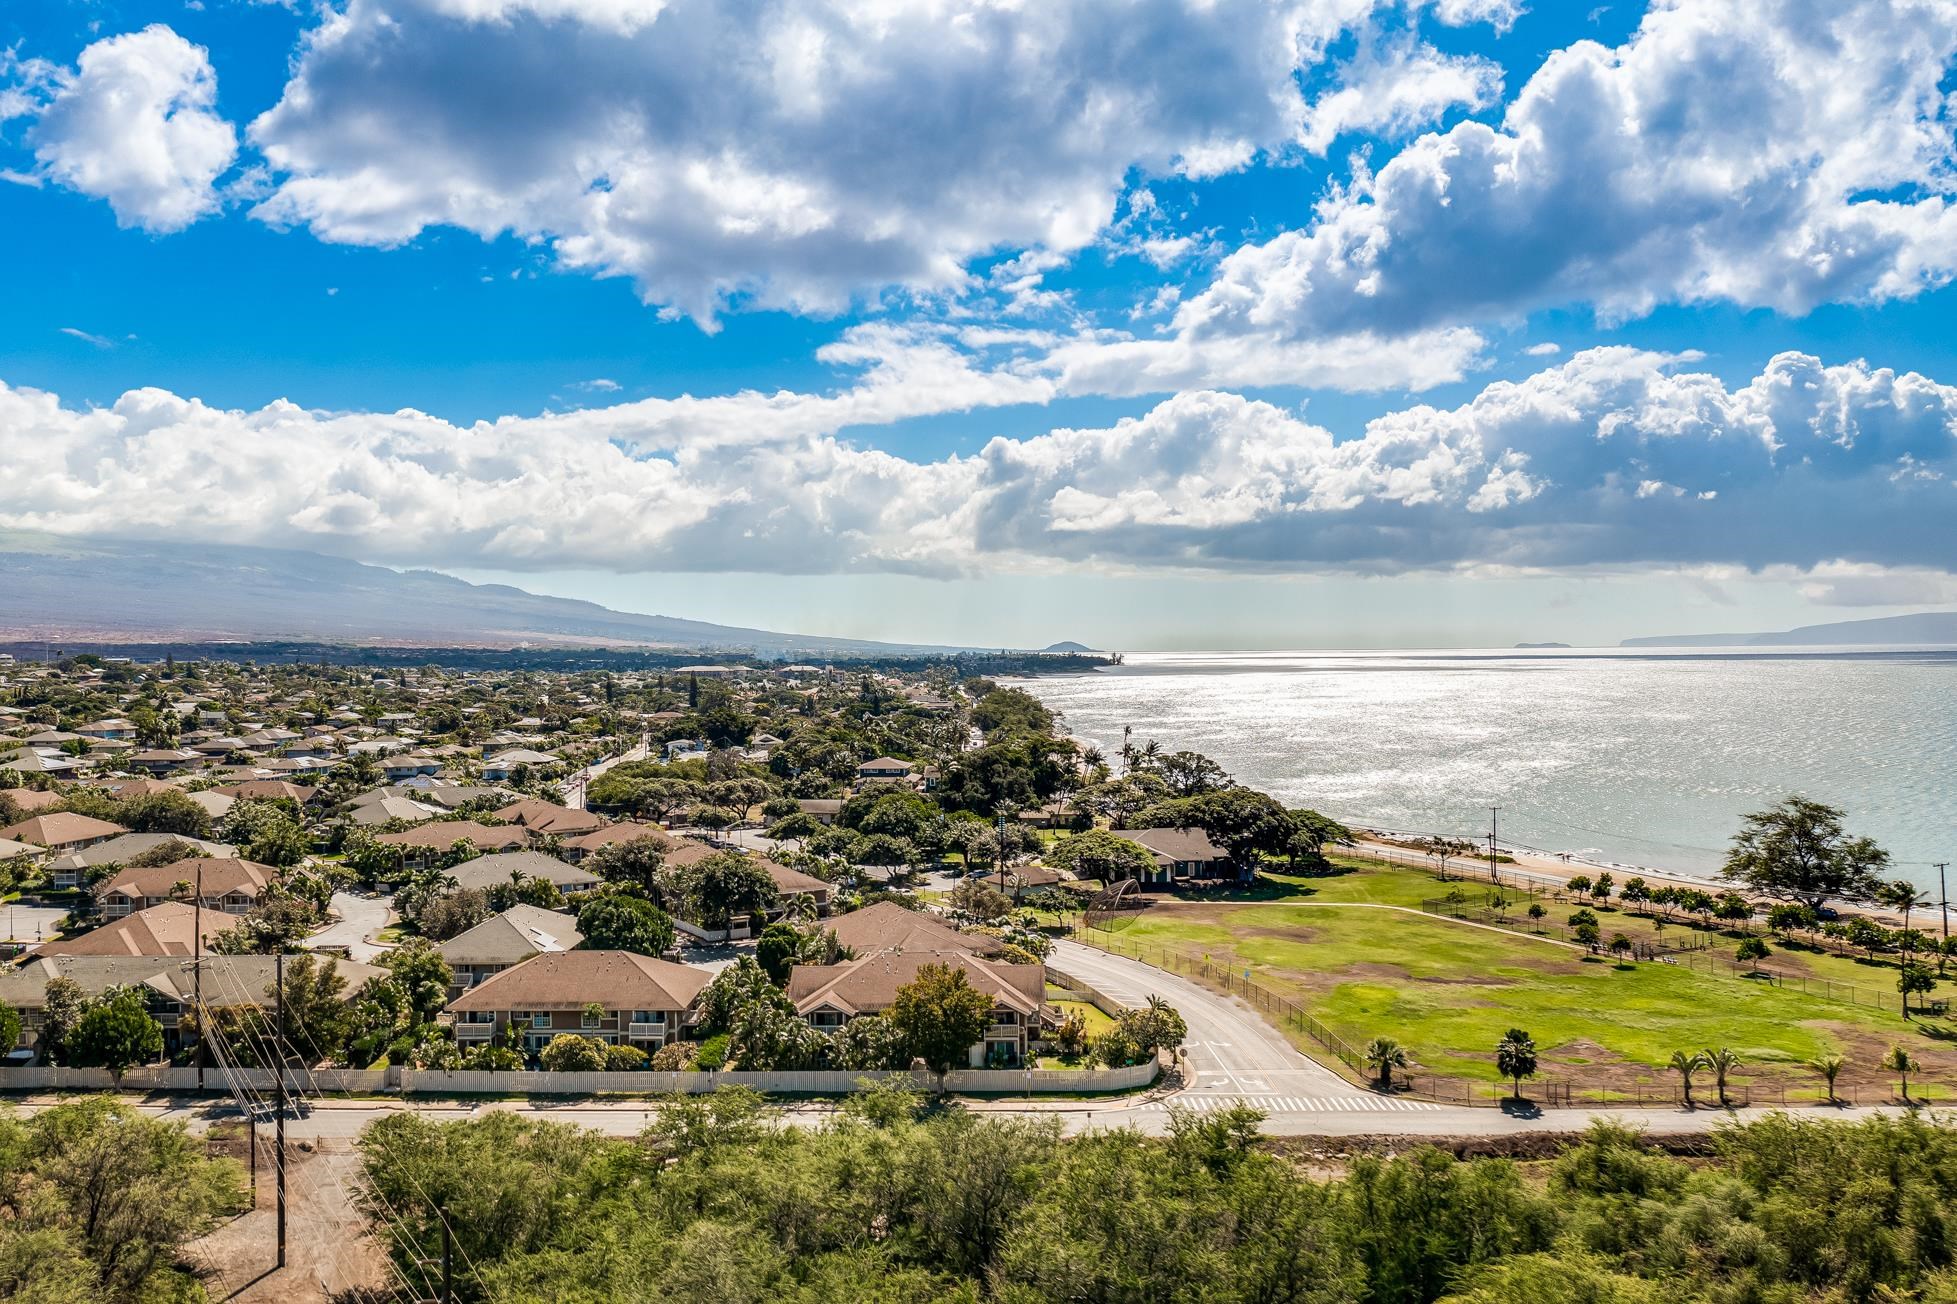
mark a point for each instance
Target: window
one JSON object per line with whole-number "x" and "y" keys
{"x": 588, "y": 1019}
{"x": 540, "y": 1020}
{"x": 648, "y": 1016}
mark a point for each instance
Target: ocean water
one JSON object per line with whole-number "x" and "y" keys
{"x": 1636, "y": 758}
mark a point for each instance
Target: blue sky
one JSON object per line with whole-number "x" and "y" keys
{"x": 1141, "y": 322}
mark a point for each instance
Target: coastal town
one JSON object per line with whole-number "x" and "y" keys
{"x": 712, "y": 866}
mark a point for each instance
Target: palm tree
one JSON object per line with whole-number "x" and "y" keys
{"x": 1685, "y": 1064}
{"x": 1829, "y": 1067}
{"x": 1722, "y": 1062}
{"x": 1515, "y": 1057}
{"x": 1383, "y": 1055}
{"x": 1902, "y": 895}
{"x": 1899, "y": 1061}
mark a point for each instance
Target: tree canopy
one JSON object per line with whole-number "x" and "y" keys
{"x": 941, "y": 1016}
{"x": 618, "y": 922}
{"x": 1797, "y": 850}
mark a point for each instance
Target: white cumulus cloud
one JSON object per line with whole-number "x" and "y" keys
{"x": 797, "y": 153}
{"x": 135, "y": 123}
{"x": 1777, "y": 153}
{"x": 1616, "y": 457}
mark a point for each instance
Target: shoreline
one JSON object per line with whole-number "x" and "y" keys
{"x": 1536, "y": 865}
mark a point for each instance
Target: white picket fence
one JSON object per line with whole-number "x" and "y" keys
{"x": 539, "y": 1083}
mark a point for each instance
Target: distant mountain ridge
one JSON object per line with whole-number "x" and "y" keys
{"x": 93, "y": 590}
{"x": 1920, "y": 629}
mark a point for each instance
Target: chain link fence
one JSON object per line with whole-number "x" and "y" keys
{"x": 1563, "y": 1092}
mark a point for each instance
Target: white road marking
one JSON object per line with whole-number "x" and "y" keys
{"x": 1275, "y": 1104}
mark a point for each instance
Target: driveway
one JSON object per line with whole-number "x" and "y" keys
{"x": 1231, "y": 1051}
{"x": 360, "y": 917}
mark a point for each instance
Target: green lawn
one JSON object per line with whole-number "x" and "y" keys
{"x": 1097, "y": 1022}
{"x": 1448, "y": 991}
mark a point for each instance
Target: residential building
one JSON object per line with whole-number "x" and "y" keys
{"x": 502, "y": 765}
{"x": 830, "y": 995}
{"x": 823, "y": 810}
{"x": 427, "y": 841}
{"x": 270, "y": 790}
{"x": 400, "y": 768}
{"x": 169, "y": 985}
{"x": 887, "y": 926}
{"x": 548, "y": 818}
{"x": 71, "y": 869}
{"x": 385, "y": 809}
{"x": 229, "y": 885}
{"x": 612, "y": 835}
{"x": 504, "y": 940}
{"x": 610, "y": 996}
{"x": 499, "y": 870}
{"x": 62, "y": 831}
{"x": 1181, "y": 855}
{"x": 166, "y": 929}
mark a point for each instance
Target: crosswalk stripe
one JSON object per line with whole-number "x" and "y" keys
{"x": 1206, "y": 1102}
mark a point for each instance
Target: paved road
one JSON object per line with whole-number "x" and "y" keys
{"x": 361, "y": 916}
{"x": 572, "y": 789}
{"x": 1231, "y": 1050}
{"x": 21, "y": 923}
{"x": 342, "y": 1120}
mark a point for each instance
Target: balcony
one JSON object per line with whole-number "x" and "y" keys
{"x": 645, "y": 1030}
{"x": 474, "y": 1031}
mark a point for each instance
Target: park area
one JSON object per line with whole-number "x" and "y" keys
{"x": 1446, "y": 969}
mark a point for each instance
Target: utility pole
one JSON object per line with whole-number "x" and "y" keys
{"x": 278, "y": 1055}
{"x": 1494, "y": 826}
{"x": 197, "y": 969}
{"x": 1943, "y": 905}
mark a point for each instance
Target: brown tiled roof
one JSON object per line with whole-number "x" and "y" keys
{"x": 887, "y": 926}
{"x": 159, "y": 930}
{"x": 869, "y": 985}
{"x": 441, "y": 836}
{"x": 688, "y": 851}
{"x": 613, "y": 834}
{"x": 494, "y": 871}
{"x": 549, "y": 817}
{"x": 570, "y": 980}
{"x": 59, "y": 829}
{"x": 269, "y": 790}
{"x": 30, "y": 799}
{"x": 793, "y": 882}
{"x": 127, "y": 788}
{"x": 220, "y": 876}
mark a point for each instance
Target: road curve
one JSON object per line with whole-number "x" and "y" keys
{"x": 1231, "y": 1049}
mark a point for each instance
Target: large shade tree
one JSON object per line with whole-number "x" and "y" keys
{"x": 1797, "y": 850}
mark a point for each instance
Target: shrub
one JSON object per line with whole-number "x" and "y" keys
{"x": 624, "y": 1059}
{"x": 570, "y": 1053}
{"x": 712, "y": 1054}
{"x": 673, "y": 1057}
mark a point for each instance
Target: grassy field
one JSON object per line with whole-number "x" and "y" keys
{"x": 1448, "y": 990}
